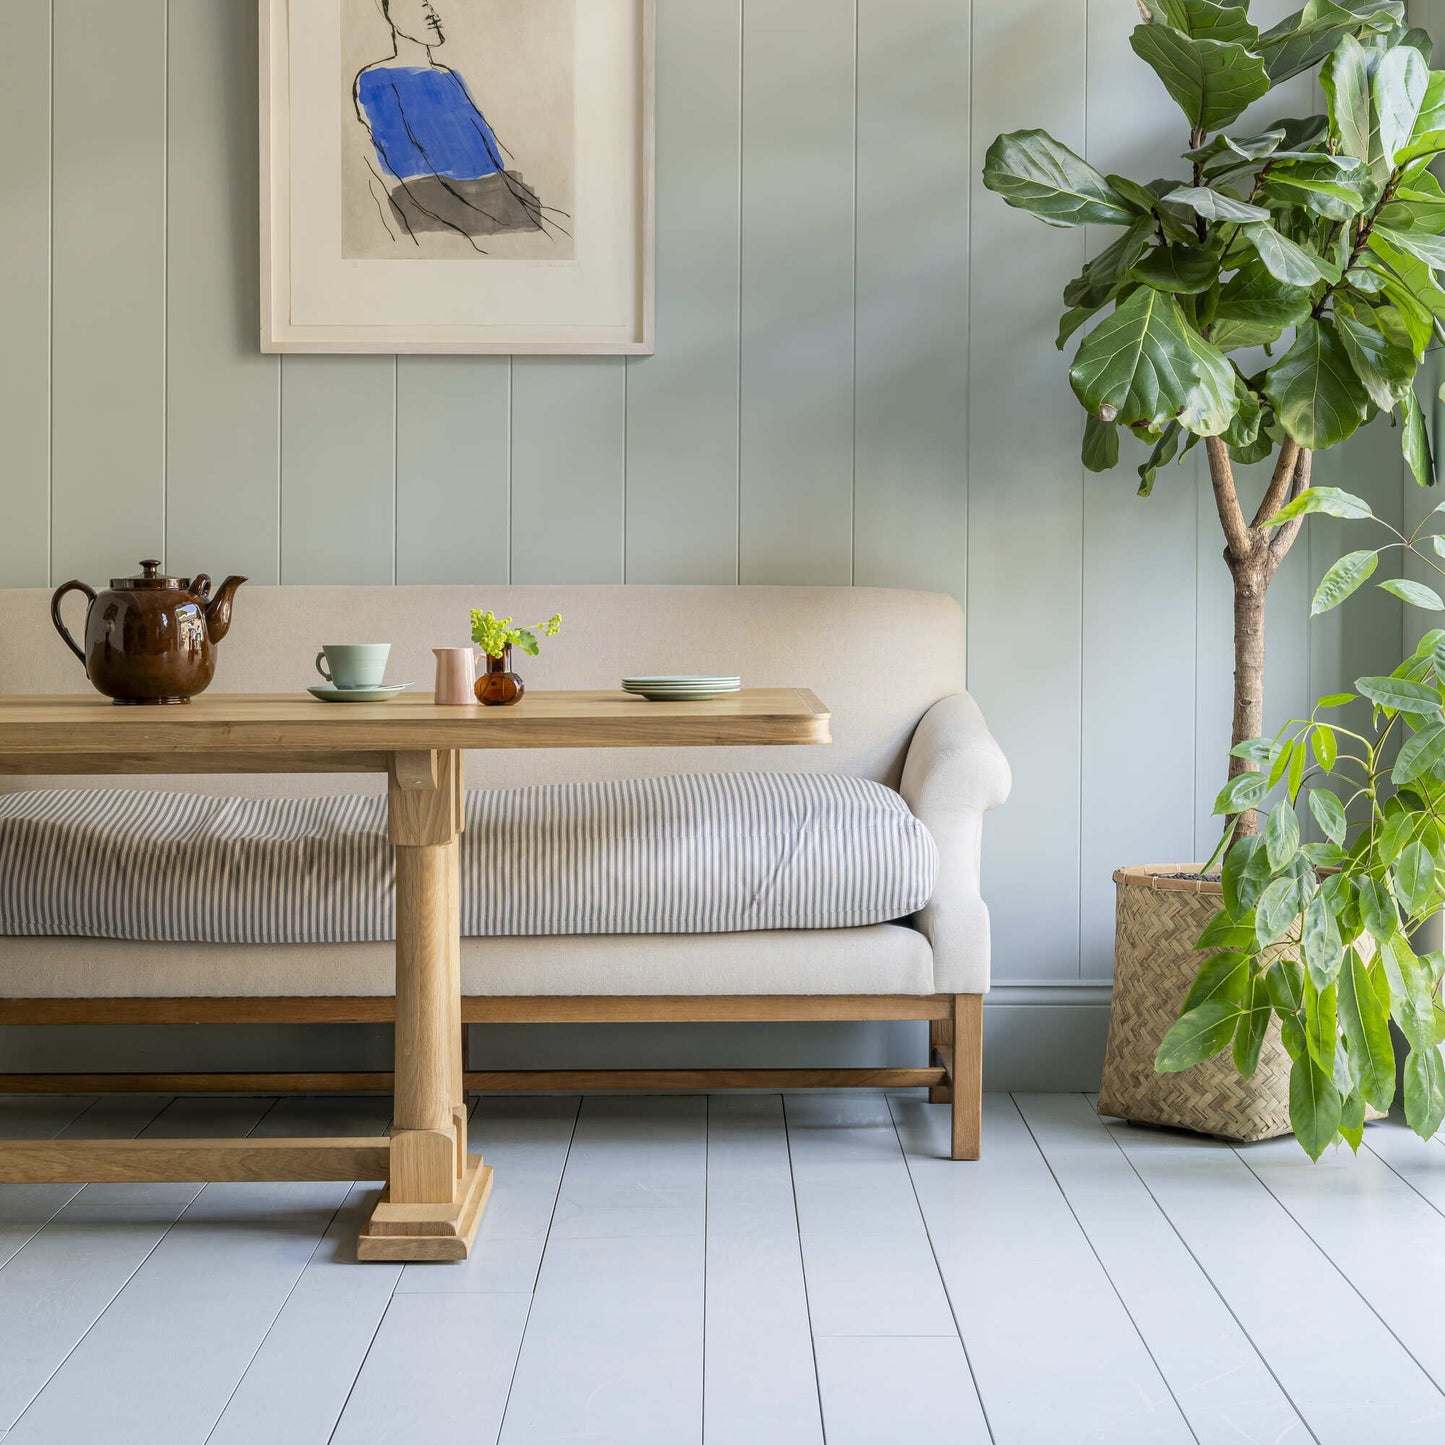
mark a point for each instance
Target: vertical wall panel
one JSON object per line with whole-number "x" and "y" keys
{"x": 1025, "y": 494}
{"x": 1139, "y": 559}
{"x": 569, "y": 443}
{"x": 223, "y": 411}
{"x": 452, "y": 463}
{"x": 911, "y": 496}
{"x": 338, "y": 455}
{"x": 682, "y": 404}
{"x": 797, "y": 300}
{"x": 109, "y": 306}
{"x": 25, "y": 296}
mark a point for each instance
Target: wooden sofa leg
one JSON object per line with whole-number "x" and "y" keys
{"x": 967, "y": 1074}
{"x": 940, "y": 1035}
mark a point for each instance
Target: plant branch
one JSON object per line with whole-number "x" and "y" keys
{"x": 1226, "y": 499}
{"x": 1361, "y": 240}
{"x": 1284, "y": 536}
{"x": 1280, "y": 484}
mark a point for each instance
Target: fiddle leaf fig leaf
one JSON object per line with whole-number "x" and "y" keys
{"x": 1345, "y": 77}
{"x": 1314, "y": 390}
{"x": 1386, "y": 371}
{"x": 1286, "y": 261}
{"x": 1101, "y": 444}
{"x": 1216, "y": 205}
{"x": 1184, "y": 270}
{"x": 1306, "y": 37}
{"x": 1415, "y": 444}
{"x": 1421, "y": 244}
{"x": 1033, "y": 171}
{"x": 1399, "y": 91}
{"x": 1212, "y": 81}
{"x": 1204, "y": 20}
{"x": 1163, "y": 453}
{"x": 1145, "y": 365}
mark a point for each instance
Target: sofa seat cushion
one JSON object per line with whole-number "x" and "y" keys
{"x": 884, "y": 958}
{"x": 695, "y": 853}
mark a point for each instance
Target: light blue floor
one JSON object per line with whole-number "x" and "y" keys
{"x": 739, "y": 1270}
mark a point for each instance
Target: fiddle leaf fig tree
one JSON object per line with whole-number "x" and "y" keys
{"x": 1274, "y": 297}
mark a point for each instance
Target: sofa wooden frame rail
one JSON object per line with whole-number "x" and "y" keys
{"x": 954, "y": 1074}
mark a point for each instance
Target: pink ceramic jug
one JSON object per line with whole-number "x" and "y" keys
{"x": 456, "y": 676}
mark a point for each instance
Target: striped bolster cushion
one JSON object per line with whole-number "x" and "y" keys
{"x": 699, "y": 853}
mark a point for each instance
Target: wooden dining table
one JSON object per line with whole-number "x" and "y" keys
{"x": 436, "y": 1188}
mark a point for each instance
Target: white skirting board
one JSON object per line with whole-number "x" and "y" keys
{"x": 1036, "y": 1036}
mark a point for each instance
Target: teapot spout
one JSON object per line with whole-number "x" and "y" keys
{"x": 218, "y": 609}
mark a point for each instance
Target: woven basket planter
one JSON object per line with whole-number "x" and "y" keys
{"x": 1157, "y": 920}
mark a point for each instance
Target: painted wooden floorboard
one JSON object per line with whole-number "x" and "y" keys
{"x": 160, "y": 1363}
{"x": 1419, "y": 1162}
{"x": 54, "y": 1290}
{"x": 620, "y": 1294}
{"x": 526, "y": 1142}
{"x": 898, "y": 1388}
{"x": 1401, "y": 1242}
{"x": 1212, "y": 1368}
{"x": 866, "y": 1255}
{"x": 26, "y": 1208}
{"x": 1298, "y": 1309}
{"x": 296, "y": 1384}
{"x": 1027, "y": 1288}
{"x": 438, "y": 1370}
{"x": 760, "y": 1384}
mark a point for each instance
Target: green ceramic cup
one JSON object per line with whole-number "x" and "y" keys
{"x": 353, "y": 664}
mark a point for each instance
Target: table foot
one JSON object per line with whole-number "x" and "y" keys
{"x": 429, "y": 1232}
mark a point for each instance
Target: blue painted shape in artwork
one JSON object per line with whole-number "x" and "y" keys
{"x": 424, "y": 122}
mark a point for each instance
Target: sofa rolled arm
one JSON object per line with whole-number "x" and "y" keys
{"x": 953, "y": 774}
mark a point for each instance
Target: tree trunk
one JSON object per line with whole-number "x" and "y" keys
{"x": 1251, "y": 583}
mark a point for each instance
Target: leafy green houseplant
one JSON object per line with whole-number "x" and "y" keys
{"x": 499, "y": 686}
{"x": 1268, "y": 300}
{"x": 1321, "y": 935}
{"x": 1315, "y": 238}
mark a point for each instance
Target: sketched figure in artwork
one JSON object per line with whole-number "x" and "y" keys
{"x": 438, "y": 165}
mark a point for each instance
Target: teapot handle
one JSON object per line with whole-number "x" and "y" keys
{"x": 201, "y": 585}
{"x": 59, "y": 623}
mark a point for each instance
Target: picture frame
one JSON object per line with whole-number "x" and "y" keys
{"x": 500, "y": 201}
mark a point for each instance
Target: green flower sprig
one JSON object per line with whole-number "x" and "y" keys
{"x": 494, "y": 637}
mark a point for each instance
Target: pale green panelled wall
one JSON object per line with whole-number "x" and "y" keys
{"x": 855, "y": 381}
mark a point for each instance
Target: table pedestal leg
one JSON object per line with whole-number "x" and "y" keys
{"x": 435, "y": 1191}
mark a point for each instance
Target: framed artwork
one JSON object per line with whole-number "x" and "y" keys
{"x": 457, "y": 176}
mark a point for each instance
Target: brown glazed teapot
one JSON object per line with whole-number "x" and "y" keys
{"x": 151, "y": 639}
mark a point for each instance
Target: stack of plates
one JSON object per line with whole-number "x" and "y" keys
{"x": 681, "y": 688}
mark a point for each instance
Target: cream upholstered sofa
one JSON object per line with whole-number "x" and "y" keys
{"x": 889, "y": 664}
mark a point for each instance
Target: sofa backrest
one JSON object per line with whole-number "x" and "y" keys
{"x": 878, "y": 658}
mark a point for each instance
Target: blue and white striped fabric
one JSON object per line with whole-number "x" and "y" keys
{"x": 698, "y": 853}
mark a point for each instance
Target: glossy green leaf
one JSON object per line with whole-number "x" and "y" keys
{"x": 1366, "y": 1027}
{"x": 1304, "y": 38}
{"x": 1255, "y": 306}
{"x": 1325, "y": 747}
{"x": 1330, "y": 500}
{"x": 1211, "y": 81}
{"x": 1244, "y": 875}
{"x": 1411, "y": 1001}
{"x": 1415, "y": 877}
{"x": 1345, "y": 77}
{"x": 1184, "y": 270}
{"x": 1286, "y": 984}
{"x": 1335, "y": 699}
{"x": 1331, "y": 199}
{"x": 1385, "y": 370}
{"x": 1216, "y": 205}
{"x": 1279, "y": 905}
{"x": 1415, "y": 441}
{"x": 1101, "y": 444}
{"x": 1197, "y": 1035}
{"x": 1377, "y": 910}
{"x": 1033, "y": 171}
{"x": 1328, "y": 813}
{"x": 1425, "y": 1091}
{"x": 1104, "y": 277}
{"x": 1204, "y": 19}
{"x": 1281, "y": 835}
{"x": 1144, "y": 366}
{"x": 1345, "y": 577}
{"x": 1399, "y": 92}
{"x": 1240, "y": 794}
{"x": 1221, "y": 979}
{"x": 1423, "y": 245}
{"x": 1163, "y": 452}
{"x": 1223, "y": 931}
{"x": 1415, "y": 698}
{"x": 1252, "y": 1026}
{"x": 1422, "y": 755}
{"x": 1417, "y": 594}
{"x": 1285, "y": 260}
{"x": 1314, "y": 390}
{"x": 1323, "y": 947}
{"x": 1321, "y": 1022}
{"x": 1314, "y": 1106}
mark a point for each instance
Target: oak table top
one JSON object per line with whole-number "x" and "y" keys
{"x": 33, "y": 727}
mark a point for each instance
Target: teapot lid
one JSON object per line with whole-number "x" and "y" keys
{"x": 149, "y": 579}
